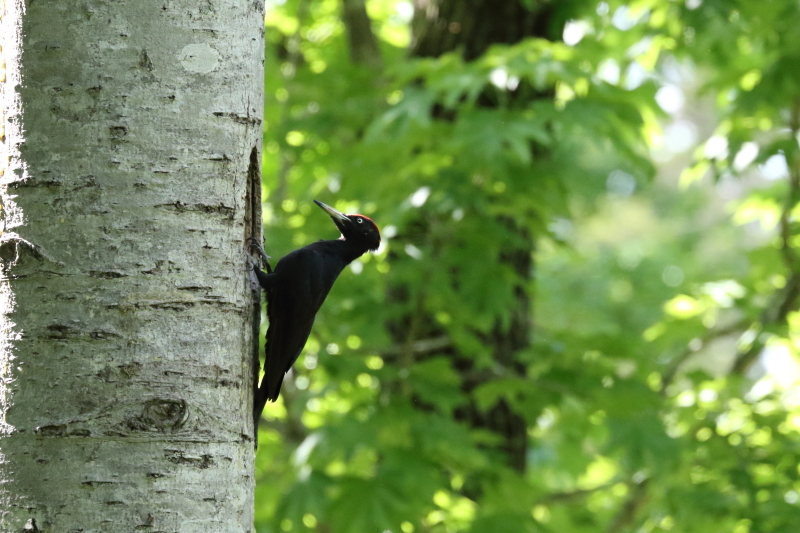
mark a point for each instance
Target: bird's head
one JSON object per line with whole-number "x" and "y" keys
{"x": 355, "y": 228}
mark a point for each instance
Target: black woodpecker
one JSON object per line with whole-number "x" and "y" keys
{"x": 296, "y": 289}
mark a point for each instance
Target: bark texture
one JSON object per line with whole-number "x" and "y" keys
{"x": 132, "y": 130}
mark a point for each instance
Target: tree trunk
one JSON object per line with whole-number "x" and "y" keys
{"x": 131, "y": 132}
{"x": 363, "y": 46}
{"x": 471, "y": 27}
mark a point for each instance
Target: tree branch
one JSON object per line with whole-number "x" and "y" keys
{"x": 629, "y": 510}
{"x": 785, "y": 299}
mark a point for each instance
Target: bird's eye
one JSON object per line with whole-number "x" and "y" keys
{"x": 359, "y": 220}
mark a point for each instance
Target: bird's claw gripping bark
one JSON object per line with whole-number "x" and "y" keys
{"x": 252, "y": 262}
{"x": 254, "y": 244}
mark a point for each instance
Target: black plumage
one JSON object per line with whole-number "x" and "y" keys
{"x": 296, "y": 289}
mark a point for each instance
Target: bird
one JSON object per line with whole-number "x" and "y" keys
{"x": 296, "y": 289}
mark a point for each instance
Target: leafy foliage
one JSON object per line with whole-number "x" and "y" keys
{"x": 660, "y": 387}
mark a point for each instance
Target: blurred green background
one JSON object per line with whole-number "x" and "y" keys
{"x": 583, "y": 316}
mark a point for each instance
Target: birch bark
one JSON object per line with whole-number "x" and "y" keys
{"x": 130, "y": 181}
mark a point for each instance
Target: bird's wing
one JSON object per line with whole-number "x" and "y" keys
{"x": 303, "y": 281}
{"x": 290, "y": 322}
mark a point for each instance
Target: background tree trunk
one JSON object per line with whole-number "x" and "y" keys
{"x": 132, "y": 130}
{"x": 471, "y": 27}
{"x": 363, "y": 46}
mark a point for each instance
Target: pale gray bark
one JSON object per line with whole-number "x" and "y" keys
{"x": 132, "y": 129}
